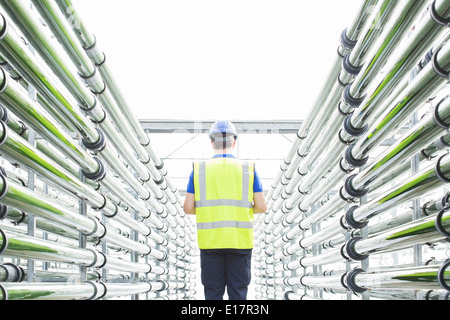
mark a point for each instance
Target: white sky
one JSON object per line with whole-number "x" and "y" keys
{"x": 210, "y": 59}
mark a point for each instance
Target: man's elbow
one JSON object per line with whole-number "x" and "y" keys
{"x": 189, "y": 204}
{"x": 189, "y": 209}
{"x": 260, "y": 208}
{"x": 259, "y": 203}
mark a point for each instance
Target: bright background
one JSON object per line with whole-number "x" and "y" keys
{"x": 210, "y": 59}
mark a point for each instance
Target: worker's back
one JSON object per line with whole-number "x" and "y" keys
{"x": 224, "y": 193}
{"x": 223, "y": 201}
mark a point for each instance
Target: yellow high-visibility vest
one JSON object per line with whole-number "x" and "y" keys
{"x": 223, "y": 203}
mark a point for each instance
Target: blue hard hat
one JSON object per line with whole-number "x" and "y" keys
{"x": 224, "y": 127}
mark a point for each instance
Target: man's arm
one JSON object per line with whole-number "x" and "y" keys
{"x": 259, "y": 202}
{"x": 189, "y": 203}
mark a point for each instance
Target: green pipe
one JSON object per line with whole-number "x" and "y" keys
{"x": 21, "y": 13}
{"x": 32, "y": 71}
{"x": 415, "y": 232}
{"x": 89, "y": 43}
{"x": 52, "y": 291}
{"x": 417, "y": 138}
{"x": 18, "y": 150}
{"x": 424, "y": 277}
{"x": 13, "y": 98}
{"x": 417, "y": 185}
{"x": 87, "y": 70}
{"x": 355, "y": 59}
{"x": 411, "y": 50}
{"x": 45, "y": 207}
{"x": 27, "y": 247}
{"x": 24, "y": 84}
{"x": 82, "y": 62}
{"x": 424, "y": 86}
{"x": 27, "y": 65}
{"x": 320, "y": 114}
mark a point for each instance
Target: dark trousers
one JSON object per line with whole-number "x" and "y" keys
{"x": 228, "y": 268}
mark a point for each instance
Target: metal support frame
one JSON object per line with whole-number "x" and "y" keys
{"x": 117, "y": 199}
{"x": 194, "y": 126}
{"x": 380, "y": 169}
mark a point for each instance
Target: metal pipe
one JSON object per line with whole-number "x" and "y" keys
{"x": 415, "y": 139}
{"x": 10, "y": 272}
{"x": 424, "y": 277}
{"x": 420, "y": 137}
{"x": 99, "y": 59}
{"x": 18, "y": 217}
{"x": 419, "y": 231}
{"x": 63, "y": 33}
{"x": 301, "y": 173}
{"x": 41, "y": 121}
{"x": 283, "y": 231}
{"x": 403, "y": 235}
{"x": 65, "y": 276}
{"x": 52, "y": 291}
{"x": 424, "y": 85}
{"x": 22, "y": 246}
{"x": 38, "y": 118}
{"x": 27, "y": 247}
{"x": 125, "y": 289}
{"x": 58, "y": 100}
{"x": 426, "y": 127}
{"x": 18, "y": 78}
{"x": 416, "y": 185}
{"x": 355, "y": 59}
{"x": 15, "y": 52}
{"x": 402, "y": 294}
{"x": 126, "y": 266}
{"x": 411, "y": 49}
{"x": 31, "y": 70}
{"x": 318, "y": 110}
{"x": 53, "y": 237}
{"x": 14, "y": 99}
{"x": 49, "y": 149}
{"x": 308, "y": 156}
{"x": 43, "y": 206}
{"x": 18, "y": 150}
{"x": 329, "y": 282}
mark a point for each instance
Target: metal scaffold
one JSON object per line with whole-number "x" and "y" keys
{"x": 359, "y": 208}
{"x": 87, "y": 208}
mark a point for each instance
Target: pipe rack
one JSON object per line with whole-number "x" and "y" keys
{"x": 87, "y": 208}
{"x": 361, "y": 199}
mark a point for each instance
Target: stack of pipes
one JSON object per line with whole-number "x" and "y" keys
{"x": 362, "y": 154}
{"x": 87, "y": 208}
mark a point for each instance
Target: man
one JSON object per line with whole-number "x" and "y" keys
{"x": 224, "y": 193}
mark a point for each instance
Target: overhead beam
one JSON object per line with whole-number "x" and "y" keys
{"x": 243, "y": 127}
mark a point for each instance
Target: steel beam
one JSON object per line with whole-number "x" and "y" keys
{"x": 243, "y": 127}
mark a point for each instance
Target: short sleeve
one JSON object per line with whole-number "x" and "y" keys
{"x": 190, "y": 187}
{"x": 257, "y": 185}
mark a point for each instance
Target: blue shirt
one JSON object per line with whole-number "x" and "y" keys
{"x": 257, "y": 185}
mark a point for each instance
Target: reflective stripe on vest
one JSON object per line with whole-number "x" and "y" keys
{"x": 224, "y": 224}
